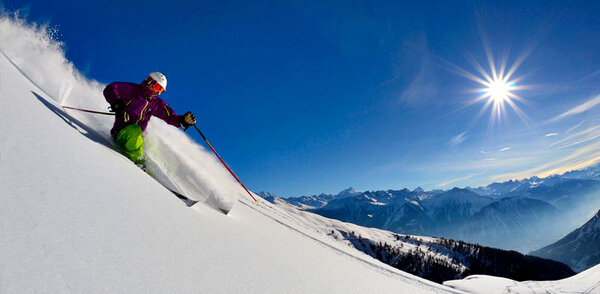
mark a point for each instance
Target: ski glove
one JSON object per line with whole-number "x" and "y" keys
{"x": 119, "y": 109}
{"x": 187, "y": 119}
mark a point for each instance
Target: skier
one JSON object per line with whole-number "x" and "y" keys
{"x": 134, "y": 105}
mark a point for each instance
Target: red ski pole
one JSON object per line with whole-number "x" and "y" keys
{"x": 224, "y": 164}
{"x": 203, "y": 137}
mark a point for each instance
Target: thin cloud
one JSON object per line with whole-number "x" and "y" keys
{"x": 414, "y": 89}
{"x": 580, "y": 108}
{"x": 551, "y": 135}
{"x": 446, "y": 183}
{"x": 457, "y": 139}
{"x": 488, "y": 164}
{"x": 505, "y": 149}
{"x": 580, "y": 141}
{"x": 592, "y": 75}
{"x": 418, "y": 88}
{"x": 574, "y": 127}
{"x": 579, "y": 137}
{"x": 579, "y": 159}
{"x": 494, "y": 163}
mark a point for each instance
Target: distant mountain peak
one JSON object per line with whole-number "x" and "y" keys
{"x": 268, "y": 196}
{"x": 347, "y": 193}
{"x": 419, "y": 190}
{"x": 264, "y": 194}
{"x": 348, "y": 190}
{"x": 457, "y": 189}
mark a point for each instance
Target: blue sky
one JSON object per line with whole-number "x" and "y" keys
{"x": 306, "y": 97}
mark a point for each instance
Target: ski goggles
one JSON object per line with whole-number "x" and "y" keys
{"x": 158, "y": 88}
{"x": 154, "y": 85}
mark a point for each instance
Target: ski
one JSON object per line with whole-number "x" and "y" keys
{"x": 188, "y": 202}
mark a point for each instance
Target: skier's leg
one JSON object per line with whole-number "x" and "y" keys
{"x": 129, "y": 139}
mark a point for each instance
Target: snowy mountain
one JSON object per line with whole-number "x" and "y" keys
{"x": 350, "y": 192}
{"x": 315, "y": 201}
{"x": 589, "y": 173}
{"x": 413, "y": 212}
{"x": 553, "y": 189}
{"x": 580, "y": 249}
{"x": 435, "y": 259}
{"x": 505, "y": 221}
{"x": 453, "y": 207}
{"x": 566, "y": 193}
{"x": 310, "y": 202}
{"x": 268, "y": 196}
{"x": 544, "y": 209}
{"x": 373, "y": 209}
{"x": 457, "y": 213}
{"x": 497, "y": 190}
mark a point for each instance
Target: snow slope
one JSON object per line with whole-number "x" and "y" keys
{"x": 318, "y": 226}
{"x": 585, "y": 282}
{"x": 77, "y": 217}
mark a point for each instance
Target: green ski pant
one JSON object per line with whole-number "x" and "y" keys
{"x": 130, "y": 141}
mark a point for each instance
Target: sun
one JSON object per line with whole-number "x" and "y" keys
{"x": 499, "y": 91}
{"x": 498, "y": 87}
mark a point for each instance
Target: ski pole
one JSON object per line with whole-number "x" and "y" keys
{"x": 223, "y": 162}
{"x": 203, "y": 137}
{"x": 90, "y": 111}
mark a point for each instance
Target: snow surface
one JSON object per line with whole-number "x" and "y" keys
{"x": 77, "y": 217}
{"x": 585, "y": 282}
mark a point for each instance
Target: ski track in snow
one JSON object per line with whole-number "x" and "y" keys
{"x": 373, "y": 264}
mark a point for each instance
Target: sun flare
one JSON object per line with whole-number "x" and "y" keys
{"x": 498, "y": 88}
{"x": 499, "y": 91}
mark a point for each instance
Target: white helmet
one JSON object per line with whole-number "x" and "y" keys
{"x": 159, "y": 78}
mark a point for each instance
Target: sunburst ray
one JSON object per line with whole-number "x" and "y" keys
{"x": 499, "y": 87}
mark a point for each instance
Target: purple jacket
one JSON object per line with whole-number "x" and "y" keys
{"x": 139, "y": 104}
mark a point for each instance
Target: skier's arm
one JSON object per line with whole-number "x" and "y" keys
{"x": 113, "y": 93}
{"x": 166, "y": 113}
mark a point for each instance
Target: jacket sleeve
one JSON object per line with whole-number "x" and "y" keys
{"x": 115, "y": 91}
{"x": 167, "y": 114}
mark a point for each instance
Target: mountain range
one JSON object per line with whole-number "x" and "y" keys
{"x": 435, "y": 259}
{"x": 580, "y": 249}
{"x": 496, "y": 215}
